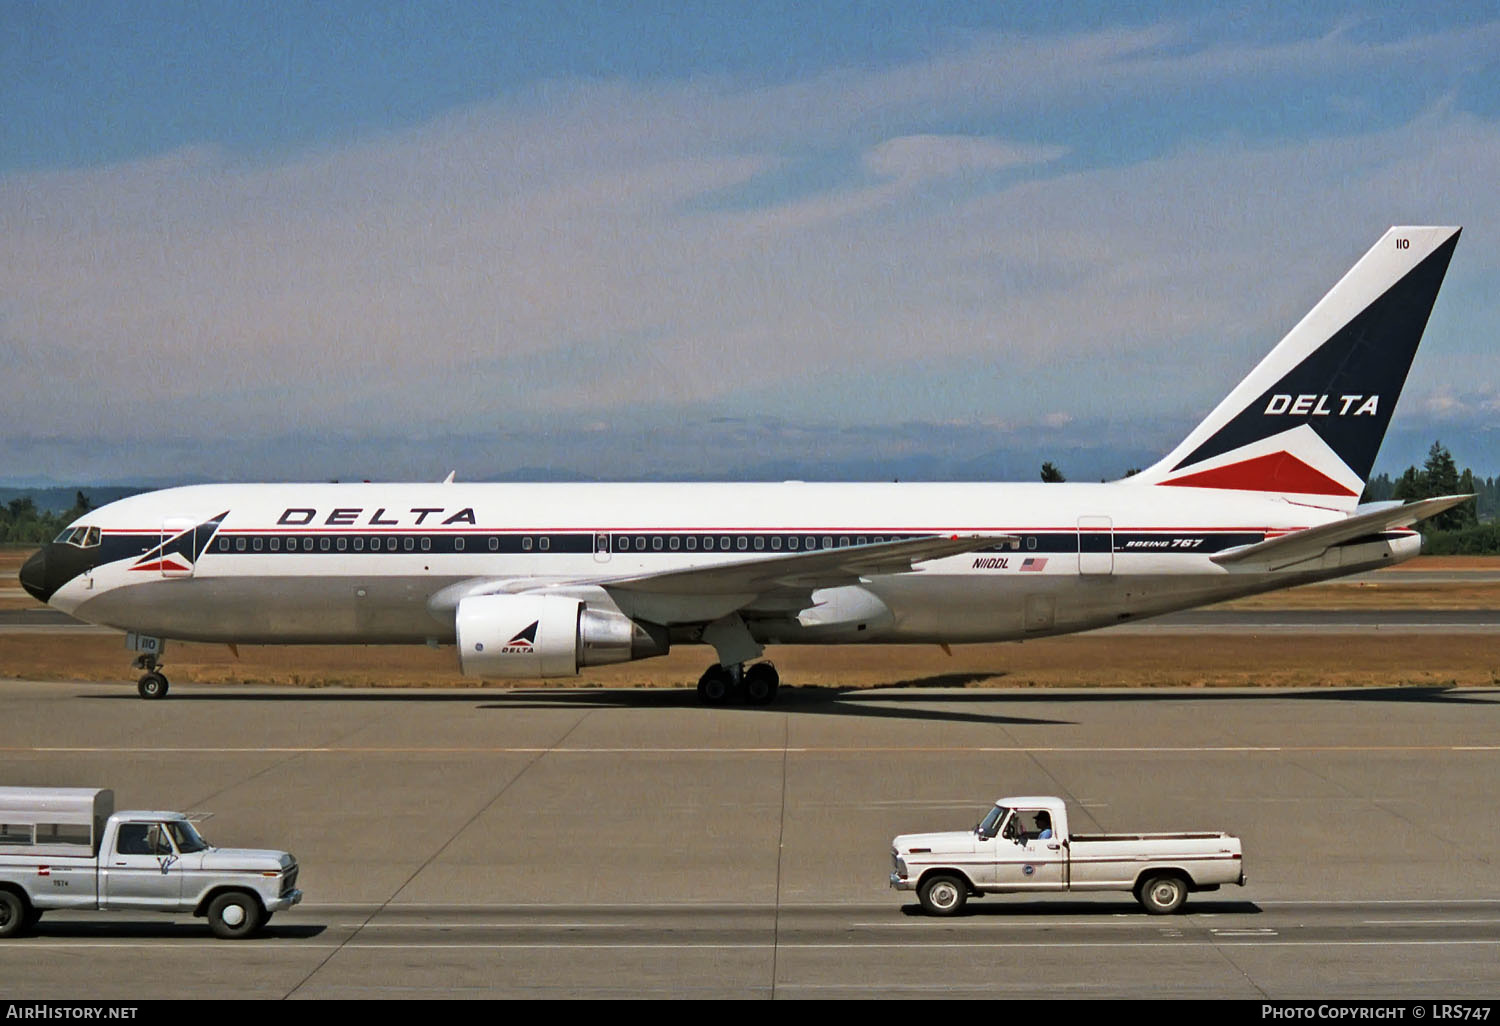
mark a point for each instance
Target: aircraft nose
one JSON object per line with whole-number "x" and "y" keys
{"x": 34, "y": 576}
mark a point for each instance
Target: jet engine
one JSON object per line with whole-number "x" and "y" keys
{"x": 547, "y": 636}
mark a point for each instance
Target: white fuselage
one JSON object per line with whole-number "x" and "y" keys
{"x": 369, "y": 563}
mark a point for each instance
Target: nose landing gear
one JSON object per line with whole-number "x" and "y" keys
{"x": 153, "y": 683}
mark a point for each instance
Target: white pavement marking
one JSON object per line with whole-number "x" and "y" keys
{"x": 217, "y": 948}
{"x": 739, "y": 750}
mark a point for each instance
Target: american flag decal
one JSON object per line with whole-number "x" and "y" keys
{"x": 1034, "y": 563}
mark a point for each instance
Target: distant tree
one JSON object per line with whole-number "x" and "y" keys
{"x": 1051, "y": 475}
{"x": 1439, "y": 476}
{"x": 21, "y": 522}
{"x": 1410, "y": 485}
{"x": 81, "y": 505}
{"x": 1468, "y": 528}
{"x": 1379, "y": 489}
{"x": 1440, "y": 472}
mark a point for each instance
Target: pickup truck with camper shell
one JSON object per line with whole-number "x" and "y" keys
{"x": 67, "y": 848}
{"x": 1023, "y": 845}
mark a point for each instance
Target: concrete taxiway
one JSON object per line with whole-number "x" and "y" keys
{"x": 623, "y": 843}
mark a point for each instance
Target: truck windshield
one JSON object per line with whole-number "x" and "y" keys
{"x": 991, "y": 824}
{"x": 187, "y": 838}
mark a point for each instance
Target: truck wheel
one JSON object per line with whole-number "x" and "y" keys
{"x": 1162, "y": 895}
{"x": 943, "y": 894}
{"x": 13, "y": 913}
{"x": 235, "y": 915}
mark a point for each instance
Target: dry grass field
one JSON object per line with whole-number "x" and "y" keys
{"x": 1159, "y": 660}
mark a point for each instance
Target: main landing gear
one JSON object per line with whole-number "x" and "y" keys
{"x": 153, "y": 683}
{"x": 757, "y": 685}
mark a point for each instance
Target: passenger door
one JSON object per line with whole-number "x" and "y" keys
{"x": 1096, "y": 546}
{"x": 143, "y": 870}
{"x": 1025, "y": 863}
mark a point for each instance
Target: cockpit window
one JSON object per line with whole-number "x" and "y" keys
{"x": 83, "y": 537}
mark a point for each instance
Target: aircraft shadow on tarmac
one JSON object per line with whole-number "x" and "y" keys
{"x": 900, "y": 699}
{"x": 810, "y": 699}
{"x": 1000, "y": 907}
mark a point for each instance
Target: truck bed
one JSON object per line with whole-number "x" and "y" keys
{"x": 1210, "y": 835}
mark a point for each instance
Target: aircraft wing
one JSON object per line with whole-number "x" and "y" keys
{"x": 1311, "y": 543}
{"x": 823, "y": 568}
{"x": 783, "y": 582}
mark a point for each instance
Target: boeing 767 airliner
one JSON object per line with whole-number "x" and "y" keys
{"x": 541, "y": 580}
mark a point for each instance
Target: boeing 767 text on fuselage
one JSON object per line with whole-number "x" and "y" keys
{"x": 541, "y": 580}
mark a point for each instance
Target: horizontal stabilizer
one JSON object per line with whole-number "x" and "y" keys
{"x": 1308, "y": 544}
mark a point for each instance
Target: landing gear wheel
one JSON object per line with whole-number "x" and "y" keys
{"x": 1162, "y": 895}
{"x": 14, "y": 912}
{"x": 761, "y": 683}
{"x": 716, "y": 685}
{"x": 152, "y": 685}
{"x": 235, "y": 915}
{"x": 943, "y": 894}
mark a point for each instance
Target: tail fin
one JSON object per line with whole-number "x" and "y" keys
{"x": 1308, "y": 421}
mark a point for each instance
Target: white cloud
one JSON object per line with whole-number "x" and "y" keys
{"x": 922, "y": 158}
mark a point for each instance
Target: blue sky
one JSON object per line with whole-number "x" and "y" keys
{"x": 636, "y": 240}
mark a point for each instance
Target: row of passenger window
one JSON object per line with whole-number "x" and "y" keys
{"x": 742, "y": 542}
{"x": 546, "y": 543}
{"x": 377, "y": 543}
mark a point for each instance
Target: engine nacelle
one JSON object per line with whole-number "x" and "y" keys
{"x": 547, "y": 636}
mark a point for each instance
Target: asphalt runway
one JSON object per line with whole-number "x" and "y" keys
{"x": 606, "y": 843}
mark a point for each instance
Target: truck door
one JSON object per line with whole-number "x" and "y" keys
{"x": 143, "y": 870}
{"x": 1026, "y": 862}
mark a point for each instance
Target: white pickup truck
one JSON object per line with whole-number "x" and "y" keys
{"x": 66, "y": 848}
{"x": 1023, "y": 845}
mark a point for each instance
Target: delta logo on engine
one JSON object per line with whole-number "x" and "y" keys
{"x": 523, "y": 643}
